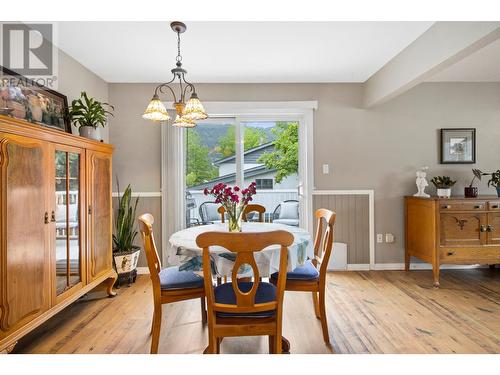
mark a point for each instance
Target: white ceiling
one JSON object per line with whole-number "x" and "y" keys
{"x": 238, "y": 51}
{"x": 481, "y": 66}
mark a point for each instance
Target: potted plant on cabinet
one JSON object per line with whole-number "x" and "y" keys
{"x": 87, "y": 114}
{"x": 471, "y": 191}
{"x": 443, "y": 185}
{"x": 495, "y": 181}
{"x": 125, "y": 253}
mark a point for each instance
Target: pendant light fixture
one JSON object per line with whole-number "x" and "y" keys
{"x": 187, "y": 113}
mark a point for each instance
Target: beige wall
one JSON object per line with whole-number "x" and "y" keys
{"x": 376, "y": 149}
{"x": 73, "y": 78}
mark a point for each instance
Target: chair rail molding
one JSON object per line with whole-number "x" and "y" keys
{"x": 371, "y": 203}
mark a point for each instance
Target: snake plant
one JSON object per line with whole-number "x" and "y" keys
{"x": 125, "y": 231}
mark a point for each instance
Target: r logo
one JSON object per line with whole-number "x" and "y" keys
{"x": 27, "y": 48}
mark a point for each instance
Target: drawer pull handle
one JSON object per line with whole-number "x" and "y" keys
{"x": 479, "y": 206}
{"x": 495, "y": 206}
{"x": 450, "y": 253}
{"x": 46, "y": 218}
{"x": 446, "y": 207}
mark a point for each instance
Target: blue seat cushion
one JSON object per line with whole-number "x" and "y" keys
{"x": 266, "y": 292}
{"x": 305, "y": 272}
{"x": 172, "y": 278}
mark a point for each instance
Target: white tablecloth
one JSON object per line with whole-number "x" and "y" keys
{"x": 184, "y": 252}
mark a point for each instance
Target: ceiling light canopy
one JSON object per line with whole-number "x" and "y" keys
{"x": 187, "y": 113}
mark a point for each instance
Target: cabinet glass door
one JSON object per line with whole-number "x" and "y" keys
{"x": 67, "y": 220}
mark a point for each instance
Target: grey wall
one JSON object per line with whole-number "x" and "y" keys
{"x": 73, "y": 78}
{"x": 376, "y": 149}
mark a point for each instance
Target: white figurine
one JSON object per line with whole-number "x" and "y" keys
{"x": 421, "y": 183}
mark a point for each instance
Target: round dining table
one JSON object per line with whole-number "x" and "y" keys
{"x": 184, "y": 252}
{"x": 187, "y": 255}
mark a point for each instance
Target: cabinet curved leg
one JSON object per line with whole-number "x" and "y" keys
{"x": 110, "y": 282}
{"x": 407, "y": 261}
{"x": 8, "y": 349}
{"x": 435, "y": 272}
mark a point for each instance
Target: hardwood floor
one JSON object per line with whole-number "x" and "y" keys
{"x": 368, "y": 312}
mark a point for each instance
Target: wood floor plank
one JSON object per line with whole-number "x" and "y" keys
{"x": 368, "y": 312}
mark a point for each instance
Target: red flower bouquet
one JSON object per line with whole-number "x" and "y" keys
{"x": 234, "y": 200}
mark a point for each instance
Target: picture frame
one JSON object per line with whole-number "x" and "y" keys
{"x": 24, "y": 99}
{"x": 458, "y": 146}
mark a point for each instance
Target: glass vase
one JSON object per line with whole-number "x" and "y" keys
{"x": 234, "y": 219}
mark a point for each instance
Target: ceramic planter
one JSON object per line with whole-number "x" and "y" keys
{"x": 89, "y": 132}
{"x": 126, "y": 262}
{"x": 444, "y": 193}
{"x": 470, "y": 192}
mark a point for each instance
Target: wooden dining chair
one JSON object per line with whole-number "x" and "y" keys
{"x": 249, "y": 208}
{"x": 311, "y": 277}
{"x": 169, "y": 284}
{"x": 245, "y": 308}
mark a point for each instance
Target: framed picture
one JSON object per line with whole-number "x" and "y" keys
{"x": 458, "y": 146}
{"x": 24, "y": 99}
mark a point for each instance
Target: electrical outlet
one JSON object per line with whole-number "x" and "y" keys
{"x": 389, "y": 238}
{"x": 380, "y": 238}
{"x": 326, "y": 169}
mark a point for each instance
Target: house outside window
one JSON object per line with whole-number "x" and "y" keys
{"x": 264, "y": 183}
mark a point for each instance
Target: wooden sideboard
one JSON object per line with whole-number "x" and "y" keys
{"x": 452, "y": 231}
{"x": 55, "y": 224}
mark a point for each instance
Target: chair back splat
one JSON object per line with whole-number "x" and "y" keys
{"x": 146, "y": 222}
{"x": 249, "y": 208}
{"x": 244, "y": 245}
{"x": 242, "y": 308}
{"x": 323, "y": 242}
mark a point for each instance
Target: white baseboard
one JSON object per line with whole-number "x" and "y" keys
{"x": 379, "y": 267}
{"x": 142, "y": 270}
{"x": 423, "y": 266}
{"x": 358, "y": 267}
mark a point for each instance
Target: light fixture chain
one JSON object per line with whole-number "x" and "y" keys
{"x": 179, "y": 57}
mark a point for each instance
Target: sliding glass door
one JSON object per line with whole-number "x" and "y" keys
{"x": 238, "y": 151}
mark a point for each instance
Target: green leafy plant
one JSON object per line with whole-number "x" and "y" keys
{"x": 87, "y": 111}
{"x": 443, "y": 182}
{"x": 477, "y": 174}
{"x": 495, "y": 179}
{"x": 125, "y": 232}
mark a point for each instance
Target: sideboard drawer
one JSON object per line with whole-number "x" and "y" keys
{"x": 494, "y": 206}
{"x": 463, "y": 206}
{"x": 470, "y": 255}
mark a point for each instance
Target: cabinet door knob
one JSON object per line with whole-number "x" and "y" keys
{"x": 46, "y": 217}
{"x": 479, "y": 206}
{"x": 495, "y": 206}
{"x": 90, "y": 210}
{"x": 53, "y": 216}
{"x": 446, "y": 207}
{"x": 450, "y": 253}
{"x": 482, "y": 228}
{"x": 490, "y": 228}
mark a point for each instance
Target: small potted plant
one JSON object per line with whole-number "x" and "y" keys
{"x": 495, "y": 181}
{"x": 125, "y": 253}
{"x": 471, "y": 191}
{"x": 87, "y": 114}
{"x": 234, "y": 201}
{"x": 443, "y": 185}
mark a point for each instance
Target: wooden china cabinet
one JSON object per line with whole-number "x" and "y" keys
{"x": 55, "y": 224}
{"x": 452, "y": 231}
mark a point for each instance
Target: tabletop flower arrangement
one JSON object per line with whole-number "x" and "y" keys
{"x": 234, "y": 200}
